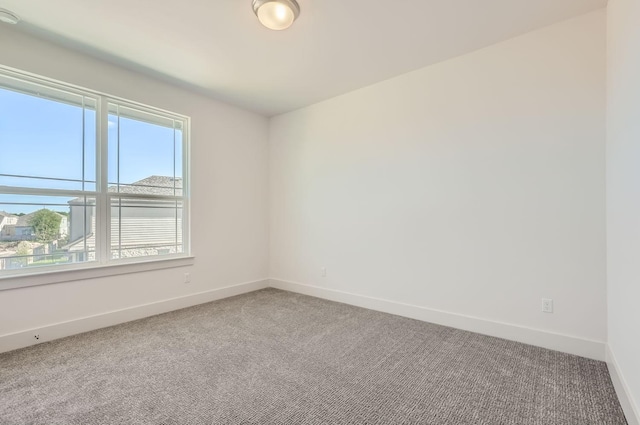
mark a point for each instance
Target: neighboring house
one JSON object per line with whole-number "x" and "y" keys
{"x": 139, "y": 227}
{"x": 7, "y": 219}
{"x": 21, "y": 230}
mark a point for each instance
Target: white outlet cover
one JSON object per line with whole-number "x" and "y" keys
{"x": 547, "y": 305}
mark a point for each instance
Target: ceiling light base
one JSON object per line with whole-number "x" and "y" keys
{"x": 8, "y": 17}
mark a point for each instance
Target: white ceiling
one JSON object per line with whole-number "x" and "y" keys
{"x": 219, "y": 47}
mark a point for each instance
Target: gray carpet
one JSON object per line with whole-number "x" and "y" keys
{"x": 273, "y": 357}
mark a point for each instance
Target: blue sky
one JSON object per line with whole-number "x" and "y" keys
{"x": 44, "y": 138}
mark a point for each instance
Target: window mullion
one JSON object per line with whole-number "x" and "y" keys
{"x": 186, "y": 187}
{"x": 103, "y": 225}
{"x": 13, "y": 190}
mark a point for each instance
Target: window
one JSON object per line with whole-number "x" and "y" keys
{"x": 87, "y": 179}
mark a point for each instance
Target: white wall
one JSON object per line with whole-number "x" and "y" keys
{"x": 475, "y": 186}
{"x": 229, "y": 192}
{"x": 623, "y": 191}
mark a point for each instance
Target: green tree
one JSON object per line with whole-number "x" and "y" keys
{"x": 46, "y": 225}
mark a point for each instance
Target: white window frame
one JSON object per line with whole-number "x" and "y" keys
{"x": 103, "y": 264}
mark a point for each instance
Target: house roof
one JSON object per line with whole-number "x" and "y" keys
{"x": 23, "y": 221}
{"x": 4, "y": 214}
{"x": 152, "y": 185}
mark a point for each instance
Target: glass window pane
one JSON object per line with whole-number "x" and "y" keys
{"x": 47, "y": 137}
{"x": 145, "y": 227}
{"x": 45, "y": 230}
{"x": 145, "y": 152}
{"x": 49, "y": 163}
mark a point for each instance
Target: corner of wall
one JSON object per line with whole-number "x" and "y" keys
{"x": 631, "y": 411}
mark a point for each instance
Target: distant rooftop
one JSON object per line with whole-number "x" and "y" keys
{"x": 23, "y": 221}
{"x": 152, "y": 185}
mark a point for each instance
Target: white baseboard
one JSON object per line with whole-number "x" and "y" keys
{"x": 631, "y": 410}
{"x": 554, "y": 341}
{"x": 59, "y": 330}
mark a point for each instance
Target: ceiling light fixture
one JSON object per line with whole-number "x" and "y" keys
{"x": 276, "y": 14}
{"x": 9, "y": 17}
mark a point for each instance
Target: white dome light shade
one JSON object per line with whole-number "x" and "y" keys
{"x": 276, "y": 14}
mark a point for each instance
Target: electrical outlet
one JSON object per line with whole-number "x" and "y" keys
{"x": 547, "y": 305}
{"x": 187, "y": 278}
{"x": 323, "y": 272}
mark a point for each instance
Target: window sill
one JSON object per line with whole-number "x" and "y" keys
{"x": 90, "y": 272}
